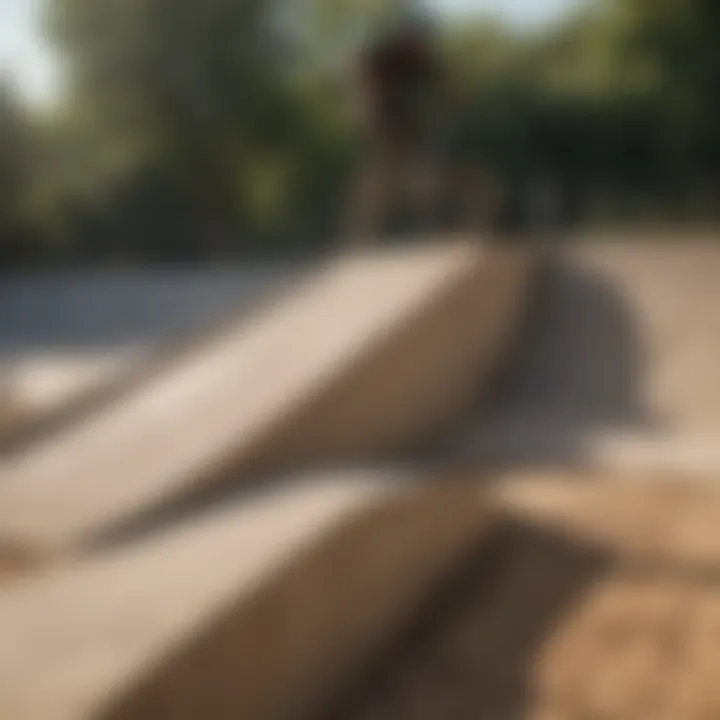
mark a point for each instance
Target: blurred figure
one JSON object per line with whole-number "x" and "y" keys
{"x": 400, "y": 82}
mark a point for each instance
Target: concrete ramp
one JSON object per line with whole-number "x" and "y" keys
{"x": 621, "y": 366}
{"x": 592, "y": 595}
{"x": 376, "y": 352}
{"x": 260, "y": 611}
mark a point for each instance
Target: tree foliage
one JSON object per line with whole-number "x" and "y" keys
{"x": 191, "y": 129}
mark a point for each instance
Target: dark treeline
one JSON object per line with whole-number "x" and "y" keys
{"x": 191, "y": 130}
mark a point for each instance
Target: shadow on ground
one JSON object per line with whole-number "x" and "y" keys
{"x": 474, "y": 651}
{"x": 578, "y": 371}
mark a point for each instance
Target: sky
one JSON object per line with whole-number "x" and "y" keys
{"x": 24, "y": 55}
{"x": 518, "y": 12}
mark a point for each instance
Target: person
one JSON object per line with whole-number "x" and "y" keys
{"x": 399, "y": 80}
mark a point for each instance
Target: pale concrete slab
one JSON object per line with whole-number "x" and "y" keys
{"x": 42, "y": 384}
{"x": 261, "y": 610}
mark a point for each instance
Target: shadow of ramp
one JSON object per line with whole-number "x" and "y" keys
{"x": 588, "y": 603}
{"x": 578, "y": 372}
{"x": 474, "y": 652}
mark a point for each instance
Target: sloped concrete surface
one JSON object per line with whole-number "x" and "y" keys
{"x": 594, "y": 590}
{"x": 258, "y": 611}
{"x": 375, "y": 351}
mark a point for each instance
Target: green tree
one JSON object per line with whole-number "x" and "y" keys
{"x": 194, "y": 87}
{"x": 16, "y": 168}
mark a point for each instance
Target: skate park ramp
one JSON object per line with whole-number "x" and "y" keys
{"x": 619, "y": 364}
{"x": 263, "y": 604}
{"x": 569, "y": 571}
{"x": 370, "y": 354}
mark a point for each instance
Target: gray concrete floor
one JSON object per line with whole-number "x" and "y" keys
{"x": 62, "y": 332}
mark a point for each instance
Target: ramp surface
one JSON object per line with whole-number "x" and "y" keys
{"x": 373, "y": 353}
{"x": 597, "y": 595}
{"x": 256, "y": 611}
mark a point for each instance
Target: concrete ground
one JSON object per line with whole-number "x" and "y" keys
{"x": 64, "y": 332}
{"x": 598, "y": 595}
{"x": 619, "y": 366}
